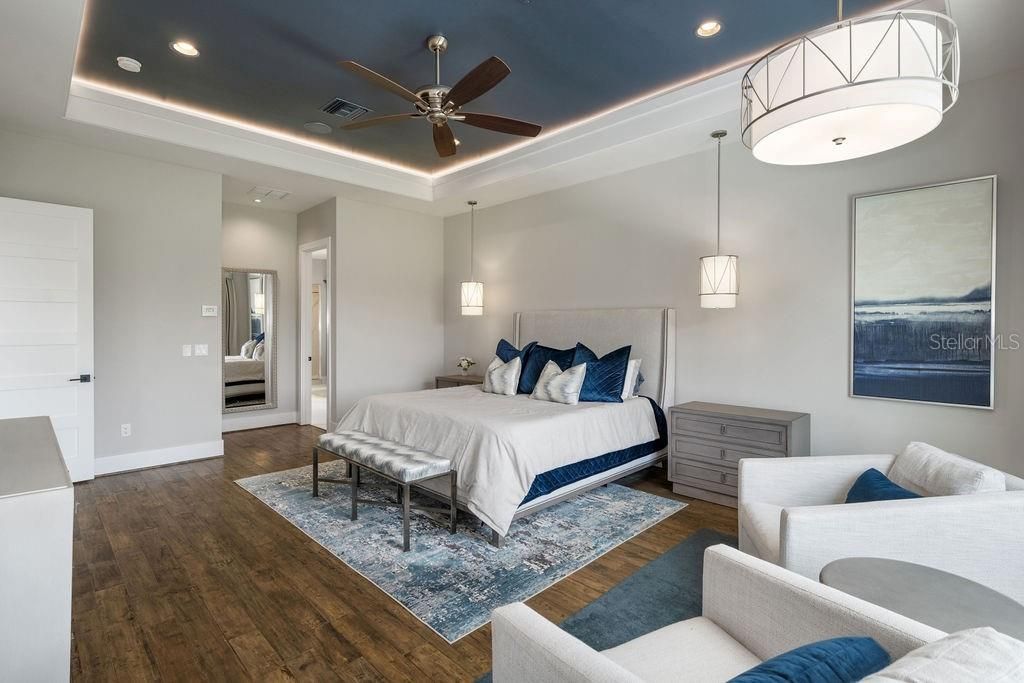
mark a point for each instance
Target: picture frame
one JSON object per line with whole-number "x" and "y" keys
{"x": 922, "y": 294}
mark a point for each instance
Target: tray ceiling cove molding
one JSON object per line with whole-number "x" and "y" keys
{"x": 658, "y": 127}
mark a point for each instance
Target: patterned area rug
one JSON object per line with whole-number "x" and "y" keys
{"x": 451, "y": 583}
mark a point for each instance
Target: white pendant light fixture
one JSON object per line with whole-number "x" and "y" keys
{"x": 853, "y": 88}
{"x": 719, "y": 274}
{"x": 472, "y": 291}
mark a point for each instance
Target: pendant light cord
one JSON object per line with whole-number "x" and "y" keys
{"x": 718, "y": 207}
{"x": 472, "y": 240}
{"x": 839, "y": 9}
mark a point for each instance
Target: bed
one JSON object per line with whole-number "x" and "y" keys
{"x": 515, "y": 455}
{"x": 244, "y": 378}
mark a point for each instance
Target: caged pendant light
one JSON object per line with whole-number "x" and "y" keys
{"x": 719, "y": 274}
{"x": 851, "y": 89}
{"x": 472, "y": 292}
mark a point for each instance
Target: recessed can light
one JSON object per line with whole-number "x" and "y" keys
{"x": 317, "y": 127}
{"x": 185, "y": 48}
{"x": 129, "y": 64}
{"x": 709, "y": 28}
{"x": 258, "y": 200}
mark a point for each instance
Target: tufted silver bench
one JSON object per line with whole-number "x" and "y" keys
{"x": 397, "y": 463}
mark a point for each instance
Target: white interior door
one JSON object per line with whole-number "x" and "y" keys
{"x": 46, "y": 343}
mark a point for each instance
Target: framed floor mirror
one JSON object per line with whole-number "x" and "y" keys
{"x": 250, "y": 339}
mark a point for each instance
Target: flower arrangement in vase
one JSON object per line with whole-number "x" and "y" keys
{"x": 465, "y": 363}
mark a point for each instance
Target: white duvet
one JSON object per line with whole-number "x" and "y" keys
{"x": 500, "y": 443}
{"x": 240, "y": 369}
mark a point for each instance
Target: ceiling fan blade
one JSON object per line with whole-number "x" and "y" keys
{"x": 485, "y": 76}
{"x": 499, "y": 123}
{"x": 375, "y": 120}
{"x": 444, "y": 140}
{"x": 382, "y": 81}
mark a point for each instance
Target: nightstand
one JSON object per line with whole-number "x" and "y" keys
{"x": 707, "y": 441}
{"x": 445, "y": 381}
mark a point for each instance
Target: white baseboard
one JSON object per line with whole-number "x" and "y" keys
{"x": 234, "y": 422}
{"x": 124, "y": 462}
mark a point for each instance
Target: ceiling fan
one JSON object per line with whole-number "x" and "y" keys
{"x": 439, "y": 104}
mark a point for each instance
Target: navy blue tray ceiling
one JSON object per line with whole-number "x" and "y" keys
{"x": 274, "y": 63}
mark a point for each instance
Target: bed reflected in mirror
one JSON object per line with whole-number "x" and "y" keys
{"x": 250, "y": 356}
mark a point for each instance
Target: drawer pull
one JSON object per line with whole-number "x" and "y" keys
{"x": 722, "y": 454}
{"x": 722, "y": 429}
{"x": 723, "y": 477}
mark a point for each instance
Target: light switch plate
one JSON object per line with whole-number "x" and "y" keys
{"x": 186, "y": 349}
{"x": 202, "y": 350}
{"x": 209, "y": 311}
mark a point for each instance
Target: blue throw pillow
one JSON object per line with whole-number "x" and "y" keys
{"x": 873, "y": 485}
{"x": 537, "y": 357}
{"x": 839, "y": 660}
{"x": 605, "y": 376}
{"x": 507, "y": 352}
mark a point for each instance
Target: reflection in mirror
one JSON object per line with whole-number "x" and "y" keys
{"x": 250, "y": 358}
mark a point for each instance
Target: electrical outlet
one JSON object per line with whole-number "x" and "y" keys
{"x": 126, "y": 429}
{"x": 186, "y": 349}
{"x": 202, "y": 350}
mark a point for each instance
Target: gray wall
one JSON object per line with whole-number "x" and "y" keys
{"x": 634, "y": 239}
{"x": 387, "y": 294}
{"x": 258, "y": 238}
{"x": 157, "y": 231}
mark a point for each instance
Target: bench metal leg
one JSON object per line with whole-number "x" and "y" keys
{"x": 355, "y": 491}
{"x": 405, "y": 518}
{"x": 497, "y": 540}
{"x": 316, "y": 471}
{"x": 455, "y": 509}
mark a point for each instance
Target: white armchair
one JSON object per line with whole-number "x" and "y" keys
{"x": 752, "y": 611}
{"x": 792, "y": 513}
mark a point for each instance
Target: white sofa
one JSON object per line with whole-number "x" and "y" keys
{"x": 752, "y": 611}
{"x": 792, "y": 513}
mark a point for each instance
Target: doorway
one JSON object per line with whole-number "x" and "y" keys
{"x": 315, "y": 376}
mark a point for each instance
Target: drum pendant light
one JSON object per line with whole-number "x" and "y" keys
{"x": 472, "y": 292}
{"x": 850, "y": 89}
{"x": 719, "y": 274}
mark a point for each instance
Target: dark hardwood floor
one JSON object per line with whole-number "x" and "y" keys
{"x": 179, "y": 574}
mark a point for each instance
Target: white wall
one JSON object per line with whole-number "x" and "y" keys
{"x": 387, "y": 294}
{"x": 259, "y": 238}
{"x": 156, "y": 262}
{"x": 634, "y": 239}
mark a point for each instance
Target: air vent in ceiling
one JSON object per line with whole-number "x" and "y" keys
{"x": 344, "y": 109}
{"x": 259, "y": 192}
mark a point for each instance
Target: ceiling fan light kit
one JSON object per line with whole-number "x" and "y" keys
{"x": 851, "y": 89}
{"x": 440, "y": 104}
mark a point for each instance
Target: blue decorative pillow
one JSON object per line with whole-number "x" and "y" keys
{"x": 605, "y": 376}
{"x": 536, "y": 358}
{"x": 838, "y": 660}
{"x": 873, "y": 485}
{"x": 507, "y": 352}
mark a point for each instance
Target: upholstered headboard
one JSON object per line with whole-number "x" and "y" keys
{"x": 650, "y": 331}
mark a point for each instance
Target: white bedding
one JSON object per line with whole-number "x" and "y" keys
{"x": 241, "y": 369}
{"x": 498, "y": 444}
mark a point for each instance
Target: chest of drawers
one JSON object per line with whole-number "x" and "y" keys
{"x": 707, "y": 441}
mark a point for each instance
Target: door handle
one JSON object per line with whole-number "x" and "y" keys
{"x": 84, "y": 379}
{"x": 310, "y": 359}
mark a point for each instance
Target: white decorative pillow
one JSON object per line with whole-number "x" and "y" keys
{"x": 558, "y": 386}
{"x": 503, "y": 378}
{"x": 247, "y": 347}
{"x": 629, "y": 387}
{"x": 978, "y": 654}
{"x": 931, "y": 471}
{"x": 258, "y": 351}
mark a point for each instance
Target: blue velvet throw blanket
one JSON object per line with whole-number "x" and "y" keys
{"x": 551, "y": 480}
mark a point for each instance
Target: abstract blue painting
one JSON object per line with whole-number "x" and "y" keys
{"x": 923, "y": 270}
